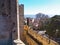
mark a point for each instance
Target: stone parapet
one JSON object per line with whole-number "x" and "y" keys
{"x": 41, "y": 39}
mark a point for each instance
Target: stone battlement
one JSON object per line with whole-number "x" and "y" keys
{"x": 40, "y": 38}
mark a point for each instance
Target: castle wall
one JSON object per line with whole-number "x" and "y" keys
{"x": 21, "y": 21}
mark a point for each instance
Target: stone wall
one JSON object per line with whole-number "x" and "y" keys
{"x": 39, "y": 39}
{"x": 13, "y": 8}
{"x": 8, "y": 19}
{"x": 4, "y": 18}
{"x": 21, "y": 21}
{"x": 28, "y": 39}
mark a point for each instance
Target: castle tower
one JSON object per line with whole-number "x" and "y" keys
{"x": 8, "y": 20}
{"x": 21, "y": 21}
{"x": 18, "y": 40}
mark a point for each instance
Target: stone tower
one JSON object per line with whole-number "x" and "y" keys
{"x": 21, "y": 21}
{"x": 8, "y": 19}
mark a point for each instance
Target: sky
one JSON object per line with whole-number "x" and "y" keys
{"x": 32, "y": 7}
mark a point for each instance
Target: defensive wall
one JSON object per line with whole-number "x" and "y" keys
{"x": 33, "y": 38}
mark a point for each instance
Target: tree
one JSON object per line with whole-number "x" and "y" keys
{"x": 53, "y": 25}
{"x": 43, "y": 19}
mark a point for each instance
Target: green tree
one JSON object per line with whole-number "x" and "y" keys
{"x": 53, "y": 25}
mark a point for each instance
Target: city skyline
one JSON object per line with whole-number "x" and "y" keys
{"x": 49, "y": 7}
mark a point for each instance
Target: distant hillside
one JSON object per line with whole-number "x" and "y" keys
{"x": 31, "y": 16}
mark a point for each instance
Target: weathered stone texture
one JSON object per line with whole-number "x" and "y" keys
{"x": 21, "y": 21}
{"x": 8, "y": 17}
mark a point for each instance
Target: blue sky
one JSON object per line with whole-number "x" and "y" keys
{"x": 50, "y": 7}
